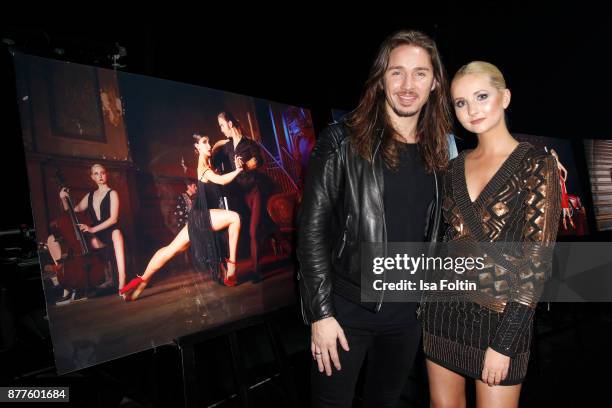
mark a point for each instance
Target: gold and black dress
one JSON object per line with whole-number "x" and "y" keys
{"x": 518, "y": 210}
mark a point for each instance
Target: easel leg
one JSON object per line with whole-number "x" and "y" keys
{"x": 189, "y": 376}
{"x": 239, "y": 369}
{"x": 281, "y": 359}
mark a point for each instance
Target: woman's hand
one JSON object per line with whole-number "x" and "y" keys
{"x": 63, "y": 193}
{"x": 85, "y": 228}
{"x": 238, "y": 163}
{"x": 495, "y": 367}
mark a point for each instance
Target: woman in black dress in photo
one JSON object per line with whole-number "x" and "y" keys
{"x": 103, "y": 206}
{"x": 203, "y": 221}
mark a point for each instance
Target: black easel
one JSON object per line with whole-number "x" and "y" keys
{"x": 192, "y": 389}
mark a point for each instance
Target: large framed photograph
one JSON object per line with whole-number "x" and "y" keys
{"x": 162, "y": 208}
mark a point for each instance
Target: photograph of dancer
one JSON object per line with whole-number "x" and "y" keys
{"x": 204, "y": 220}
{"x": 565, "y": 206}
{"x": 103, "y": 207}
{"x": 246, "y": 186}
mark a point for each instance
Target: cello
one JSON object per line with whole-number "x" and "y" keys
{"x": 79, "y": 266}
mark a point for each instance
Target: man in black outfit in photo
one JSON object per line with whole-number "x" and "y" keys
{"x": 246, "y": 185}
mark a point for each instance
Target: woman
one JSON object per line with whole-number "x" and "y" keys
{"x": 565, "y": 207}
{"x": 202, "y": 222}
{"x": 506, "y": 193}
{"x": 103, "y": 206}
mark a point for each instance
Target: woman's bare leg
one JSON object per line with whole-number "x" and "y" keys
{"x": 497, "y": 396}
{"x": 446, "y": 387}
{"x": 119, "y": 247}
{"x": 164, "y": 254}
{"x": 161, "y": 257}
{"x": 221, "y": 219}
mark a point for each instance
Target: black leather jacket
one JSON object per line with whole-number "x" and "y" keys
{"x": 342, "y": 207}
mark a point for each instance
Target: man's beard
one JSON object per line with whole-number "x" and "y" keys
{"x": 403, "y": 114}
{"x": 398, "y": 112}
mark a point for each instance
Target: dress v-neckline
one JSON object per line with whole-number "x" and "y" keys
{"x": 100, "y": 206}
{"x": 502, "y": 174}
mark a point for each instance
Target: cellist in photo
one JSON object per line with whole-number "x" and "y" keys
{"x": 103, "y": 206}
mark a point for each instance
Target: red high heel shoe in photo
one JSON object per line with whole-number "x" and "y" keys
{"x": 131, "y": 285}
{"x": 133, "y": 289}
{"x": 230, "y": 280}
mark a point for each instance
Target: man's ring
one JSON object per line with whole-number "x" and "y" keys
{"x": 319, "y": 353}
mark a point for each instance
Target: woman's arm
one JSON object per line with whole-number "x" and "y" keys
{"x": 218, "y": 145}
{"x": 542, "y": 211}
{"x": 562, "y": 170}
{"x": 207, "y": 174}
{"x": 541, "y": 214}
{"x": 81, "y": 206}
{"x": 222, "y": 179}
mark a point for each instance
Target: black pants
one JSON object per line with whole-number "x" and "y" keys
{"x": 390, "y": 355}
{"x": 253, "y": 201}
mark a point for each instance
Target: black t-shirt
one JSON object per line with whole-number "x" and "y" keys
{"x": 408, "y": 191}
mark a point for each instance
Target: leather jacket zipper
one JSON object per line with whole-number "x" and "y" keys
{"x": 344, "y": 237}
{"x": 382, "y": 206}
{"x": 306, "y": 322}
{"x": 342, "y": 245}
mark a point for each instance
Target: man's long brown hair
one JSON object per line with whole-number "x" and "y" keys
{"x": 370, "y": 119}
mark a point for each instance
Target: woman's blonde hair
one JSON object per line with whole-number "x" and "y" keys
{"x": 91, "y": 169}
{"x": 485, "y": 68}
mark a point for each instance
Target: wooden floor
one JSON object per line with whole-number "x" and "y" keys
{"x": 106, "y": 327}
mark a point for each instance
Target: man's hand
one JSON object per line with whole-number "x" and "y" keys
{"x": 324, "y": 335}
{"x": 251, "y": 164}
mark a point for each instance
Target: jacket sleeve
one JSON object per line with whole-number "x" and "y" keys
{"x": 324, "y": 183}
{"x": 542, "y": 209}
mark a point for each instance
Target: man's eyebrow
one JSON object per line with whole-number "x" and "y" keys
{"x": 415, "y": 69}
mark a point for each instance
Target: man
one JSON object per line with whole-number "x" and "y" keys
{"x": 184, "y": 202}
{"x": 372, "y": 178}
{"x": 246, "y": 184}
